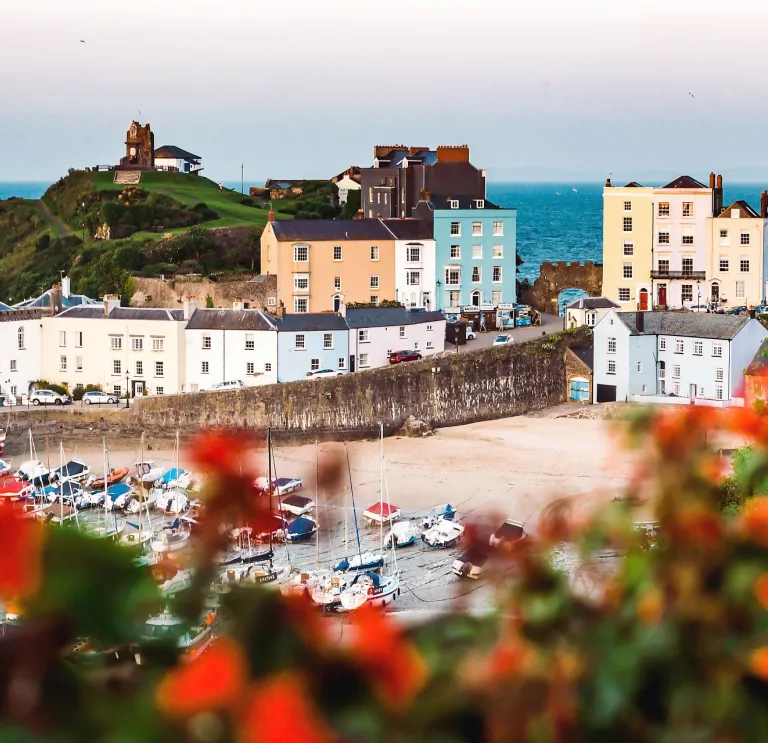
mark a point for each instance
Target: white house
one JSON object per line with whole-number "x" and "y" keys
{"x": 673, "y": 356}
{"x": 376, "y": 332}
{"x": 174, "y": 159}
{"x": 414, "y": 262}
{"x": 116, "y": 347}
{"x": 230, "y": 345}
{"x": 347, "y": 181}
{"x": 588, "y": 311}
{"x": 21, "y": 352}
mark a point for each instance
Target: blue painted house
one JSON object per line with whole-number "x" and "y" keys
{"x": 476, "y": 247}
{"x": 311, "y": 341}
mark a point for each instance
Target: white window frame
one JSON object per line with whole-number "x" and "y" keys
{"x": 159, "y": 368}
{"x": 300, "y": 305}
{"x": 116, "y": 342}
{"x": 363, "y": 336}
{"x": 374, "y": 282}
{"x": 62, "y": 363}
{"x": 62, "y": 339}
{"x": 250, "y": 342}
{"x": 477, "y": 252}
{"x": 402, "y": 332}
{"x": 679, "y": 345}
{"x": 698, "y": 348}
{"x": 374, "y": 252}
{"x": 78, "y": 363}
{"x": 267, "y": 367}
{"x": 139, "y": 368}
{"x": 337, "y": 283}
{"x": 625, "y": 294}
{"x": 362, "y": 361}
{"x": 477, "y": 271}
{"x": 137, "y": 343}
{"x": 301, "y": 253}
{"x": 301, "y": 282}
{"x": 629, "y": 247}
{"x": 455, "y": 252}
{"x": 314, "y": 364}
{"x": 687, "y": 210}
{"x": 327, "y": 340}
{"x": 158, "y": 344}
{"x": 205, "y": 367}
{"x": 300, "y": 342}
{"x": 627, "y": 224}
{"x": 477, "y": 229}
{"x": 117, "y": 367}
{"x": 456, "y": 229}
{"x": 207, "y": 342}
{"x": 498, "y": 228}
{"x": 338, "y": 253}
{"x": 717, "y": 350}
{"x": 497, "y": 275}
{"x": 612, "y": 345}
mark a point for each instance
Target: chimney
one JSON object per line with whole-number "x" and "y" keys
{"x": 189, "y": 308}
{"x": 280, "y": 311}
{"x": 237, "y": 305}
{"x": 764, "y": 204}
{"x": 110, "y": 302}
{"x": 719, "y": 181}
{"x": 717, "y": 197}
{"x": 343, "y": 307}
{"x": 711, "y": 180}
{"x": 424, "y": 195}
{"x": 65, "y": 287}
{"x": 55, "y": 296}
{"x": 607, "y": 182}
{"x": 640, "y": 321}
{"x": 271, "y": 216}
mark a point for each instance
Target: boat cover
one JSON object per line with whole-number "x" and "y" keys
{"x": 509, "y": 532}
{"x": 302, "y": 526}
{"x": 382, "y": 509}
{"x": 298, "y": 501}
{"x": 173, "y": 474}
{"x": 115, "y": 491}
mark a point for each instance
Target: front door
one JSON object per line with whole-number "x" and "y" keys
{"x": 662, "y": 302}
{"x": 715, "y": 293}
{"x": 427, "y": 301}
{"x": 643, "y": 299}
{"x": 138, "y": 389}
{"x": 352, "y": 362}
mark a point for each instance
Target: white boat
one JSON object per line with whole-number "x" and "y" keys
{"x": 179, "y": 582}
{"x": 443, "y": 511}
{"x": 402, "y": 534}
{"x": 443, "y": 534}
{"x": 370, "y": 588}
{"x": 258, "y": 574}
{"x": 136, "y": 539}
{"x": 381, "y": 513}
{"x": 191, "y": 641}
{"x": 170, "y": 502}
{"x": 5, "y": 468}
{"x": 296, "y": 505}
{"x": 360, "y": 561}
{"x": 326, "y": 590}
{"x": 301, "y": 582}
{"x": 509, "y": 532}
{"x": 171, "y": 539}
{"x": 280, "y": 485}
{"x": 147, "y": 472}
{"x": 32, "y": 470}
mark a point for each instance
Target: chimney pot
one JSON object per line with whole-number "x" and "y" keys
{"x": 640, "y": 321}
{"x": 711, "y": 180}
{"x": 607, "y": 182}
{"x": 719, "y": 181}
{"x": 271, "y": 216}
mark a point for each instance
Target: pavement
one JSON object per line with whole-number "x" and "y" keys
{"x": 549, "y": 324}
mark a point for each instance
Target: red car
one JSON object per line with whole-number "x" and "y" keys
{"x": 398, "y": 357}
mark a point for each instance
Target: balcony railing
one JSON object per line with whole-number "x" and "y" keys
{"x": 667, "y": 274}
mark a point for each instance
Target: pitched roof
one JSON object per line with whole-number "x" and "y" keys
{"x": 745, "y": 209}
{"x": 633, "y": 184}
{"x": 685, "y": 324}
{"x": 5, "y": 307}
{"x": 276, "y": 183}
{"x": 379, "y": 317}
{"x": 176, "y": 153}
{"x": 211, "y": 319}
{"x": 465, "y": 202}
{"x": 685, "y": 181}
{"x": 585, "y": 355}
{"x": 409, "y": 229}
{"x": 306, "y": 321}
{"x": 96, "y": 312}
{"x": 592, "y": 303}
{"x": 44, "y": 301}
{"x": 330, "y": 229}
{"x": 759, "y": 363}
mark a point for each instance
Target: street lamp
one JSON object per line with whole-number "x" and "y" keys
{"x": 438, "y": 284}
{"x": 698, "y": 295}
{"x": 127, "y": 393}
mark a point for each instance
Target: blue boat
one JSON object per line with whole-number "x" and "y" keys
{"x": 173, "y": 474}
{"x": 363, "y": 561}
{"x": 443, "y": 512}
{"x": 300, "y": 530}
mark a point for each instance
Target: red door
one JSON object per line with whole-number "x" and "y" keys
{"x": 643, "y": 299}
{"x": 662, "y": 295}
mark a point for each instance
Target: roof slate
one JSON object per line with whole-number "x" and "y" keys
{"x": 409, "y": 229}
{"x": 685, "y": 324}
{"x": 96, "y": 312}
{"x": 308, "y": 321}
{"x": 743, "y": 206}
{"x": 172, "y": 151}
{"x": 373, "y": 317}
{"x": 685, "y": 181}
{"x": 330, "y": 229}
{"x": 584, "y": 354}
{"x": 211, "y": 319}
{"x": 592, "y": 303}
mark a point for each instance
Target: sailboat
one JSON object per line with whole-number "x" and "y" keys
{"x": 113, "y": 530}
{"x": 191, "y": 641}
{"x": 121, "y": 493}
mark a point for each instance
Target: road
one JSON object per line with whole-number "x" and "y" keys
{"x": 52, "y": 218}
{"x": 550, "y": 324}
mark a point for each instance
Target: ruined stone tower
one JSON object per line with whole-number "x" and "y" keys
{"x": 139, "y": 148}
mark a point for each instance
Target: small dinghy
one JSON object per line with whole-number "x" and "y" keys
{"x": 471, "y": 564}
{"x": 443, "y": 534}
{"x": 147, "y": 472}
{"x": 507, "y": 534}
{"x": 34, "y": 471}
{"x": 280, "y": 485}
{"x": 402, "y": 534}
{"x": 120, "y": 495}
{"x": 381, "y": 513}
{"x": 296, "y": 505}
{"x": 362, "y": 561}
{"x": 445, "y": 511}
{"x": 370, "y": 588}
{"x": 115, "y": 476}
{"x": 300, "y": 530}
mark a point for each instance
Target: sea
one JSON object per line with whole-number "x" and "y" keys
{"x": 555, "y": 221}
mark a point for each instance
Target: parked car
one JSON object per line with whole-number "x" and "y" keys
{"x": 398, "y": 357}
{"x": 471, "y": 334}
{"x": 319, "y": 373}
{"x": 49, "y": 397}
{"x": 502, "y": 340}
{"x": 699, "y": 308}
{"x": 736, "y": 310}
{"x": 235, "y": 384}
{"x": 96, "y": 397}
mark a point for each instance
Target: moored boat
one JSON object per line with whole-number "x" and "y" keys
{"x": 296, "y": 505}
{"x": 381, "y": 513}
{"x": 114, "y": 477}
{"x": 402, "y": 534}
{"x": 443, "y": 534}
{"x": 370, "y": 588}
{"x": 445, "y": 511}
{"x": 300, "y": 530}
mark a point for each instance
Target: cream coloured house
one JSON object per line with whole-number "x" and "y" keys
{"x": 587, "y": 311}
{"x": 116, "y": 347}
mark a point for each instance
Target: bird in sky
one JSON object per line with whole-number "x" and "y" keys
{"x": 82, "y": 42}
{"x": 692, "y": 95}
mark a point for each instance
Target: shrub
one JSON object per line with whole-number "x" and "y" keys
{"x": 59, "y": 389}
{"x": 43, "y": 242}
{"x": 78, "y": 392}
{"x": 247, "y": 201}
{"x": 209, "y": 302}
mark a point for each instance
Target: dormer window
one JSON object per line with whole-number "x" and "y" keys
{"x": 479, "y": 204}
{"x": 454, "y": 204}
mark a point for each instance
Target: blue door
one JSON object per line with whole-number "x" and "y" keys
{"x": 579, "y": 390}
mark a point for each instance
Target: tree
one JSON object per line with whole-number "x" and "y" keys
{"x": 247, "y": 253}
{"x": 104, "y": 276}
{"x": 353, "y": 204}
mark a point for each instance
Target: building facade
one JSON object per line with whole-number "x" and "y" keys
{"x": 415, "y": 268}
{"x": 311, "y": 342}
{"x": 21, "y": 351}
{"x": 229, "y": 345}
{"x": 587, "y": 311}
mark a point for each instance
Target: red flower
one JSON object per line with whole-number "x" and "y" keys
{"x": 280, "y": 710}
{"x": 511, "y": 657}
{"x": 758, "y": 663}
{"x": 21, "y": 542}
{"x": 754, "y": 521}
{"x": 215, "y": 680}
{"x": 224, "y": 452}
{"x": 696, "y": 526}
{"x": 761, "y": 590}
{"x": 393, "y": 664}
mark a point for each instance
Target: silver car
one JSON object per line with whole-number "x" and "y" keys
{"x": 49, "y": 397}
{"x": 96, "y": 397}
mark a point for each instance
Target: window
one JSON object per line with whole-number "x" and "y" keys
{"x": 724, "y": 265}
{"x": 116, "y": 342}
{"x": 207, "y": 342}
{"x": 362, "y": 360}
{"x": 679, "y": 345}
{"x": 479, "y": 204}
{"x": 300, "y": 304}
{"x": 402, "y": 331}
{"x": 663, "y": 238}
{"x": 374, "y": 252}
{"x": 337, "y": 283}
{"x": 629, "y": 247}
{"x": 719, "y": 375}
{"x": 194, "y": 387}
{"x": 717, "y": 349}
{"x": 455, "y": 251}
{"x": 327, "y": 340}
{"x": 20, "y": 338}
{"x": 452, "y": 276}
{"x": 79, "y": 339}
{"x": 159, "y": 369}
{"x": 676, "y": 371}
{"x": 477, "y": 251}
{"x": 740, "y": 290}
{"x": 611, "y": 366}
{"x": 496, "y": 298}
{"x": 744, "y": 264}
{"x": 271, "y": 301}
{"x": 498, "y": 251}
{"x": 139, "y": 368}
{"x": 687, "y": 239}
{"x": 591, "y": 317}
{"x": 639, "y": 367}
{"x": 314, "y": 364}
{"x": 744, "y": 238}
{"x": 374, "y": 300}
{"x": 362, "y": 336}
{"x": 430, "y": 345}
{"x": 300, "y": 282}
{"x": 687, "y": 264}
{"x": 498, "y": 229}
{"x": 62, "y": 338}
{"x": 205, "y": 367}
{"x": 78, "y": 363}
{"x": 497, "y": 274}
{"x": 477, "y": 228}
{"x": 374, "y": 282}
{"x": 416, "y": 346}
{"x": 663, "y": 208}
{"x": 250, "y": 367}
{"x": 13, "y": 365}
{"x": 413, "y": 254}
{"x": 454, "y": 298}
{"x": 718, "y": 393}
{"x": 250, "y": 342}
{"x": 698, "y": 348}
{"x": 413, "y": 278}
{"x": 62, "y": 363}
{"x": 627, "y": 206}
{"x": 686, "y": 292}
{"x": 624, "y": 295}
{"x": 454, "y": 204}
{"x": 456, "y": 228}
{"x": 301, "y": 253}
{"x": 117, "y": 390}
{"x": 677, "y": 389}
{"x": 476, "y": 274}
{"x": 267, "y": 367}
{"x": 687, "y": 208}
{"x": 627, "y": 270}
{"x": 724, "y": 237}
{"x": 662, "y": 344}
{"x": 159, "y": 390}
{"x": 158, "y": 344}
{"x": 117, "y": 367}
{"x": 611, "y": 345}
{"x": 299, "y": 342}
{"x": 342, "y": 362}
{"x": 664, "y": 265}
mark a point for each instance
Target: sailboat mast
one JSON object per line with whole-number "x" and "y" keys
{"x": 354, "y": 509}
{"x": 269, "y": 489}
{"x": 317, "y": 498}
{"x": 381, "y": 487}
{"x": 61, "y": 481}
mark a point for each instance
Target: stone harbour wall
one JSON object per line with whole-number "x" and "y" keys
{"x": 443, "y": 391}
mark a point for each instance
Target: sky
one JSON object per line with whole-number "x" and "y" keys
{"x": 295, "y": 89}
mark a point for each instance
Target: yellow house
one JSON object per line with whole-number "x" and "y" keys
{"x": 628, "y": 245}
{"x": 321, "y": 263}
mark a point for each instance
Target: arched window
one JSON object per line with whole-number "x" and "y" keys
{"x": 21, "y": 339}
{"x": 477, "y": 297}
{"x": 336, "y": 302}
